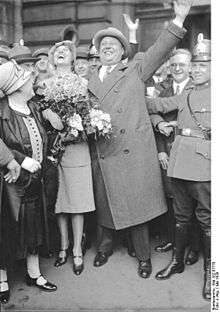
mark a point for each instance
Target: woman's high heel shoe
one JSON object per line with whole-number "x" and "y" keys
{"x": 4, "y": 295}
{"x": 78, "y": 268}
{"x": 61, "y": 260}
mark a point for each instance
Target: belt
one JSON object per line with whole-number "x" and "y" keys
{"x": 206, "y": 135}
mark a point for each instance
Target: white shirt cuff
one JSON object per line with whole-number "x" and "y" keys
{"x": 178, "y": 23}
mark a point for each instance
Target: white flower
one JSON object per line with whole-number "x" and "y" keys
{"x": 75, "y": 122}
{"x": 106, "y": 117}
{"x": 74, "y": 132}
{"x": 100, "y": 125}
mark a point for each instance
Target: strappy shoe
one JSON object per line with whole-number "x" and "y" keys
{"x": 61, "y": 260}
{"x": 4, "y": 295}
{"x": 78, "y": 268}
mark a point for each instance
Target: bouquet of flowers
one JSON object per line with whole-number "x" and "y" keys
{"x": 68, "y": 97}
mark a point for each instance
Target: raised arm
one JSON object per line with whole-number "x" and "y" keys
{"x": 132, "y": 28}
{"x": 157, "y": 54}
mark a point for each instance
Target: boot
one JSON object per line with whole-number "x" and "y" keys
{"x": 177, "y": 263}
{"x": 206, "y": 293}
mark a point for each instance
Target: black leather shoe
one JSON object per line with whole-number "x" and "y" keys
{"x": 101, "y": 258}
{"x": 4, "y": 295}
{"x": 145, "y": 268}
{"x": 61, "y": 260}
{"x": 192, "y": 257}
{"x": 164, "y": 247}
{"x": 45, "y": 287}
{"x": 173, "y": 268}
{"x": 78, "y": 268}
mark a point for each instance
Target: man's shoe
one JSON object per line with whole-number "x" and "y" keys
{"x": 49, "y": 287}
{"x": 145, "y": 268}
{"x": 101, "y": 258}
{"x": 192, "y": 257}
{"x": 174, "y": 267}
{"x": 164, "y": 247}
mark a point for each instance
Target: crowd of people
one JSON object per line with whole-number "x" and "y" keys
{"x": 154, "y": 165}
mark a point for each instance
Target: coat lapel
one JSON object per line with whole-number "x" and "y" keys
{"x": 112, "y": 79}
{"x": 101, "y": 89}
{"x": 95, "y": 85}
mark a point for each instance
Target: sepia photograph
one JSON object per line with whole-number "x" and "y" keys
{"x": 105, "y": 156}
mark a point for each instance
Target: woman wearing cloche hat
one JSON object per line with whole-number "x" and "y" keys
{"x": 22, "y": 132}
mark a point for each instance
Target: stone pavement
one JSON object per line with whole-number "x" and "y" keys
{"x": 115, "y": 287}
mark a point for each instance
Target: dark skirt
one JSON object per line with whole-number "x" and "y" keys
{"x": 22, "y": 220}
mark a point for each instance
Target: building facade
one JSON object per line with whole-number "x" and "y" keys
{"x": 40, "y": 22}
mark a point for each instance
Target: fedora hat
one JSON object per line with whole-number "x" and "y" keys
{"x": 22, "y": 54}
{"x": 81, "y": 52}
{"x": 115, "y": 33}
{"x": 39, "y": 52}
{"x": 202, "y": 50}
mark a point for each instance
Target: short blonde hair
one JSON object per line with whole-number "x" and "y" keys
{"x": 71, "y": 46}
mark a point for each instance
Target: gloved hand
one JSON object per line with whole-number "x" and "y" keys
{"x": 30, "y": 164}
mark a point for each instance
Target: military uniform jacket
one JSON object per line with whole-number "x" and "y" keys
{"x": 164, "y": 143}
{"x": 190, "y": 157}
{"x": 130, "y": 174}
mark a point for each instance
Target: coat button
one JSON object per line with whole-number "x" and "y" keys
{"x": 119, "y": 110}
{"x": 102, "y": 156}
{"x": 122, "y": 131}
{"x": 126, "y": 151}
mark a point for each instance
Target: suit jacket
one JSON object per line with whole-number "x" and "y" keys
{"x": 190, "y": 157}
{"x": 128, "y": 161}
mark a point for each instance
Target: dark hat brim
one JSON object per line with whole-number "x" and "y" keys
{"x": 27, "y": 60}
{"x": 199, "y": 58}
{"x": 115, "y": 33}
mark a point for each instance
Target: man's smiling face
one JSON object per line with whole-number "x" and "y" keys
{"x": 111, "y": 51}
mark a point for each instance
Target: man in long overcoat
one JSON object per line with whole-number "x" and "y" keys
{"x": 126, "y": 173}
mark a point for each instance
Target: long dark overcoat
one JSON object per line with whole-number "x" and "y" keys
{"x": 17, "y": 144}
{"x": 127, "y": 180}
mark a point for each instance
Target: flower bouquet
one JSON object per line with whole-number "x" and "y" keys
{"x": 68, "y": 97}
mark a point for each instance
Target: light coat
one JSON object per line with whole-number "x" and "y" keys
{"x": 125, "y": 168}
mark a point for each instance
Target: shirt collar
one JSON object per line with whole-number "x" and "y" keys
{"x": 181, "y": 84}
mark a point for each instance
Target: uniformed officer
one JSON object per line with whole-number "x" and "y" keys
{"x": 189, "y": 163}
